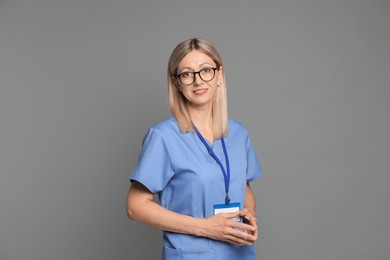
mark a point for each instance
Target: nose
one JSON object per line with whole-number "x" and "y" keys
{"x": 197, "y": 79}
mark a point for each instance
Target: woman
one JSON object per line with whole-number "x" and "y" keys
{"x": 200, "y": 163}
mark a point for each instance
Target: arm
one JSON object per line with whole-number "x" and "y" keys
{"x": 250, "y": 200}
{"x": 141, "y": 207}
{"x": 249, "y": 211}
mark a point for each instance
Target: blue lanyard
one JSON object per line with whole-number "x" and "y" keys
{"x": 226, "y": 174}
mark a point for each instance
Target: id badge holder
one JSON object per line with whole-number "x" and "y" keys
{"x": 232, "y": 207}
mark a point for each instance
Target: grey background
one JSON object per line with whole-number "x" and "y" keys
{"x": 82, "y": 80}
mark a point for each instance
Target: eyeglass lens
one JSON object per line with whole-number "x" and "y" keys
{"x": 206, "y": 74}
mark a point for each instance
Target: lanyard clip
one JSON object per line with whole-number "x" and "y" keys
{"x": 227, "y": 200}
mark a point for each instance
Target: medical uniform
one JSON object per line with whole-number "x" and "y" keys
{"x": 188, "y": 180}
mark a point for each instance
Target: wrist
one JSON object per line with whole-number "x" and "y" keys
{"x": 251, "y": 210}
{"x": 198, "y": 227}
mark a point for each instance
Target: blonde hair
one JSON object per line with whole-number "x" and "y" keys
{"x": 178, "y": 103}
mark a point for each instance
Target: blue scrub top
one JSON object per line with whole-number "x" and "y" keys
{"x": 188, "y": 180}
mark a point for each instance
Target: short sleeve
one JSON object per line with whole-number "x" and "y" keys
{"x": 154, "y": 168}
{"x": 253, "y": 166}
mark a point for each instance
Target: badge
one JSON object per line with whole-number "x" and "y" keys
{"x": 232, "y": 207}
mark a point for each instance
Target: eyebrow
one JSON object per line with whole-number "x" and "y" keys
{"x": 201, "y": 65}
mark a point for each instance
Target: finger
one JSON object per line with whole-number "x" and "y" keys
{"x": 242, "y": 231}
{"x": 229, "y": 215}
{"x": 246, "y": 211}
{"x": 238, "y": 225}
{"x": 252, "y": 222}
{"x": 247, "y": 214}
{"x": 249, "y": 218}
{"x": 252, "y": 232}
{"x": 243, "y": 236}
{"x": 238, "y": 240}
{"x": 251, "y": 229}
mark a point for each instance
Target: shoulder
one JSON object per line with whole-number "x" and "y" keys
{"x": 166, "y": 126}
{"x": 236, "y": 127}
{"x": 166, "y": 130}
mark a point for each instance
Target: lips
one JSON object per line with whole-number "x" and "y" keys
{"x": 200, "y": 91}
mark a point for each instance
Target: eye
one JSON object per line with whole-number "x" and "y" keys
{"x": 206, "y": 70}
{"x": 186, "y": 74}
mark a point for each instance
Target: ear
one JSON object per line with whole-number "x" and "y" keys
{"x": 220, "y": 75}
{"x": 175, "y": 82}
{"x": 177, "y": 85}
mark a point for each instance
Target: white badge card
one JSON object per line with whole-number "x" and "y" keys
{"x": 232, "y": 207}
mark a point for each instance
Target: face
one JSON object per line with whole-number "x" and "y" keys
{"x": 200, "y": 93}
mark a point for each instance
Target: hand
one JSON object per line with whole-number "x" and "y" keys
{"x": 220, "y": 227}
{"x": 249, "y": 217}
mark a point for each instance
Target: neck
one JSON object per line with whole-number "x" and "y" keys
{"x": 202, "y": 119}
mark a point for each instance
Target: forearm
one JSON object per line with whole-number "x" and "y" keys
{"x": 142, "y": 208}
{"x": 150, "y": 213}
{"x": 250, "y": 200}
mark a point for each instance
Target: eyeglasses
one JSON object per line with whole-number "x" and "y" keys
{"x": 188, "y": 77}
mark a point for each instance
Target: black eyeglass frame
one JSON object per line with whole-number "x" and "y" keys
{"x": 194, "y": 75}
